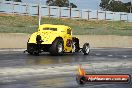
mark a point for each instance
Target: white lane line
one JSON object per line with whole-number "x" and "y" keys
{"x": 12, "y": 49}
{"x": 98, "y": 54}
{"x": 124, "y": 56}
{"x": 110, "y": 55}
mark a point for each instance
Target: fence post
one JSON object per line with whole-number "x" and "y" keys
{"x": 88, "y": 14}
{"x": 97, "y": 14}
{"x": 70, "y": 12}
{"x": 27, "y": 9}
{"x": 127, "y": 17}
{"x": 49, "y": 11}
{"x": 0, "y": 3}
{"x": 38, "y": 9}
{"x": 59, "y": 12}
{"x": 105, "y": 16}
{"x": 113, "y": 19}
{"x": 13, "y": 8}
{"x": 127, "y": 21}
{"x": 78, "y": 14}
{"x": 120, "y": 16}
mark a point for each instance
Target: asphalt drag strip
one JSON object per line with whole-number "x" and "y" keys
{"x": 18, "y": 70}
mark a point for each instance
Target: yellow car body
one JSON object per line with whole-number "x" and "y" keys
{"x": 48, "y": 36}
{"x": 56, "y": 39}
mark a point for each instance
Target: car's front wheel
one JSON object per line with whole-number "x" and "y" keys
{"x": 57, "y": 47}
{"x": 86, "y": 49}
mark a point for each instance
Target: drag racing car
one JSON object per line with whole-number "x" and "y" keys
{"x": 55, "y": 39}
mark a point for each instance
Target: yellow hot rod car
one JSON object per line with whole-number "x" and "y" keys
{"x": 56, "y": 39}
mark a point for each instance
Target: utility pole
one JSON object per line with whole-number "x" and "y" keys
{"x": 70, "y": 9}
{"x": 97, "y": 9}
{"x": 39, "y": 13}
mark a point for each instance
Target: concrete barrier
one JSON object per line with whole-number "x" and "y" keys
{"x": 100, "y": 41}
{"x": 13, "y": 40}
{"x": 18, "y": 40}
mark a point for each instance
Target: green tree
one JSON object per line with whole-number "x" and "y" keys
{"x": 128, "y": 5}
{"x": 15, "y": 0}
{"x": 112, "y": 5}
{"x": 60, "y": 3}
{"x": 105, "y": 4}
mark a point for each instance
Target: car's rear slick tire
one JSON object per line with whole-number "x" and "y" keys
{"x": 36, "y": 53}
{"x": 75, "y": 45}
{"x": 86, "y": 49}
{"x": 32, "y": 50}
{"x": 57, "y": 47}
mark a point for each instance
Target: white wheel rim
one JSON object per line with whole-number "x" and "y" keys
{"x": 73, "y": 47}
{"x": 60, "y": 47}
{"x": 87, "y": 49}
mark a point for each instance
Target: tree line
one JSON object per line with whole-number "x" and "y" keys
{"x": 115, "y": 6}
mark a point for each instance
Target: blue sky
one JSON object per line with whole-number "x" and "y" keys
{"x": 82, "y": 4}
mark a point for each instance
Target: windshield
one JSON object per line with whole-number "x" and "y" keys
{"x": 53, "y": 29}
